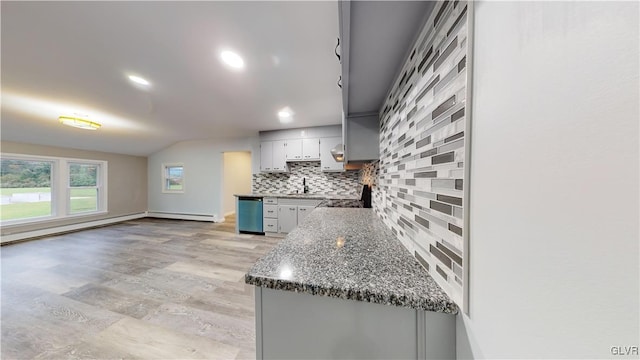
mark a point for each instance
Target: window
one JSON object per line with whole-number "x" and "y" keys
{"x": 172, "y": 178}
{"x": 26, "y": 189}
{"x": 83, "y": 187}
{"x": 47, "y": 188}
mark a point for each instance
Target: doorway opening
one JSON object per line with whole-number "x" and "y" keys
{"x": 237, "y": 177}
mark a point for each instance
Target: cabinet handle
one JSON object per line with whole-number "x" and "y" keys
{"x": 292, "y": 208}
{"x": 302, "y": 209}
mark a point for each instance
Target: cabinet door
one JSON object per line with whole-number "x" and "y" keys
{"x": 327, "y": 162}
{"x": 294, "y": 150}
{"x": 303, "y": 211}
{"x": 279, "y": 161}
{"x": 266, "y": 156}
{"x": 310, "y": 149}
{"x": 287, "y": 218}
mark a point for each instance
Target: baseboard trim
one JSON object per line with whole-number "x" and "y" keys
{"x": 10, "y": 238}
{"x": 162, "y": 215}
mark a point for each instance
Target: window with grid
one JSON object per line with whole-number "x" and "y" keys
{"x": 41, "y": 188}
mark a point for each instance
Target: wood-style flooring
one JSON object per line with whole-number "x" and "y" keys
{"x": 143, "y": 289}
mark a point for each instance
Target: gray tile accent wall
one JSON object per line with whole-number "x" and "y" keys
{"x": 340, "y": 183}
{"x": 422, "y": 145}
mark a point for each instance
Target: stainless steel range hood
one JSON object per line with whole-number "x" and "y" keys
{"x": 338, "y": 153}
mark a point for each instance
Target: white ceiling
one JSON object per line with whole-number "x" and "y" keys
{"x": 75, "y": 56}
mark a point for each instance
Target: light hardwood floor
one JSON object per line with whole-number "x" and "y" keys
{"x": 149, "y": 288}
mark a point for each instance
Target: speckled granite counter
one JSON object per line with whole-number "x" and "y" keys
{"x": 349, "y": 254}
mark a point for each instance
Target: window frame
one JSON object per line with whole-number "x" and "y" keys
{"x": 165, "y": 178}
{"x": 60, "y": 189}
{"x": 99, "y": 186}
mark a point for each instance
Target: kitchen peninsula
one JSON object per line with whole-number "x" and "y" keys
{"x": 341, "y": 285}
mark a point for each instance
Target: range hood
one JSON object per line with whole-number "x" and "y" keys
{"x": 338, "y": 153}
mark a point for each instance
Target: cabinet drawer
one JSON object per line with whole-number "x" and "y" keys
{"x": 272, "y": 201}
{"x": 270, "y": 225}
{"x": 270, "y": 211}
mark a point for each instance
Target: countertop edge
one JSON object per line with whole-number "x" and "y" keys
{"x": 426, "y": 304}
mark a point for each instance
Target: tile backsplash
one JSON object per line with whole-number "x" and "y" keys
{"x": 340, "y": 183}
{"x": 419, "y": 194}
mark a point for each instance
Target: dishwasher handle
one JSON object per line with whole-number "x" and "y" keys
{"x": 245, "y": 198}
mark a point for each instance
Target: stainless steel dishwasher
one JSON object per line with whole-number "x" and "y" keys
{"x": 250, "y": 215}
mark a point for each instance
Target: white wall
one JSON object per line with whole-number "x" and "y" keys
{"x": 203, "y": 171}
{"x": 554, "y": 181}
{"x": 237, "y": 177}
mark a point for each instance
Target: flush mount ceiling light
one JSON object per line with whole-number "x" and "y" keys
{"x": 285, "y": 115}
{"x": 232, "y": 59}
{"x": 79, "y": 123}
{"x": 138, "y": 80}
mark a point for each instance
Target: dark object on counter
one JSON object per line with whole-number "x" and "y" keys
{"x": 366, "y": 196}
{"x": 305, "y": 188}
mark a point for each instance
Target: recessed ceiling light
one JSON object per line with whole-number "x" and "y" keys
{"x": 138, "y": 80}
{"x": 232, "y": 59}
{"x": 285, "y": 115}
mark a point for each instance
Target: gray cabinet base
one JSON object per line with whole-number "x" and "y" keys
{"x": 292, "y": 325}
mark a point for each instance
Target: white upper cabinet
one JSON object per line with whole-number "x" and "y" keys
{"x": 279, "y": 160}
{"x": 303, "y": 149}
{"x": 327, "y": 162}
{"x": 294, "y": 150}
{"x": 362, "y": 135}
{"x": 289, "y": 145}
{"x": 272, "y": 156}
{"x": 310, "y": 149}
{"x": 266, "y": 156}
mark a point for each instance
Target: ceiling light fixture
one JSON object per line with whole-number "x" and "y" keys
{"x": 79, "y": 123}
{"x": 285, "y": 115}
{"x": 138, "y": 80}
{"x": 232, "y": 59}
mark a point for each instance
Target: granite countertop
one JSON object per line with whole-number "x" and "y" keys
{"x": 349, "y": 253}
{"x": 303, "y": 196}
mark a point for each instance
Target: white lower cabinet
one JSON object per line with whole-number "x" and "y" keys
{"x": 270, "y": 211}
{"x": 270, "y": 215}
{"x": 282, "y": 215}
{"x": 287, "y": 218}
{"x": 270, "y": 225}
{"x": 303, "y": 211}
